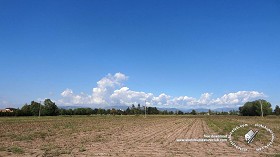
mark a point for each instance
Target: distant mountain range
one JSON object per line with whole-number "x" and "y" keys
{"x": 123, "y": 107}
{"x": 226, "y": 109}
{"x": 120, "y": 107}
{"x": 72, "y": 107}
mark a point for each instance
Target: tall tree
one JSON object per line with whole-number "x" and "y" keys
{"x": 25, "y": 110}
{"x": 180, "y": 112}
{"x": 254, "y": 108}
{"x": 113, "y": 111}
{"x": 127, "y": 111}
{"x": 101, "y": 111}
{"x": 277, "y": 110}
{"x": 50, "y": 109}
{"x": 193, "y": 112}
{"x": 35, "y": 108}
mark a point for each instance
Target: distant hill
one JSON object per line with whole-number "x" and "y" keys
{"x": 117, "y": 107}
{"x": 124, "y": 107}
{"x": 167, "y": 109}
{"x": 72, "y": 107}
{"x": 199, "y": 109}
{"x": 196, "y": 109}
{"x": 225, "y": 109}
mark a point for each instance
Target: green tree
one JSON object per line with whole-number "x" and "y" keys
{"x": 34, "y": 108}
{"x": 254, "y": 108}
{"x": 277, "y": 110}
{"x": 50, "y": 109}
{"x": 62, "y": 111}
{"x": 69, "y": 112}
{"x": 152, "y": 110}
{"x": 127, "y": 111}
{"x": 26, "y": 110}
{"x": 18, "y": 112}
{"x": 95, "y": 111}
{"x": 209, "y": 112}
{"x": 180, "y": 112}
{"x": 80, "y": 111}
{"x": 165, "y": 112}
{"x": 193, "y": 112}
{"x": 233, "y": 112}
{"x": 88, "y": 111}
{"x": 113, "y": 111}
{"x": 101, "y": 111}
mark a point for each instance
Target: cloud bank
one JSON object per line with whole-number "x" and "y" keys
{"x": 111, "y": 91}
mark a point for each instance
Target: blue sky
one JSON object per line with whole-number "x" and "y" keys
{"x": 176, "y": 48}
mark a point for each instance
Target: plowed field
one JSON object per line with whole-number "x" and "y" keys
{"x": 124, "y": 136}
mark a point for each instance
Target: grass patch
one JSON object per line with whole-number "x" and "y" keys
{"x": 40, "y": 134}
{"x": 2, "y": 148}
{"x": 15, "y": 150}
{"x": 53, "y": 150}
{"x": 23, "y": 138}
{"x": 48, "y": 147}
{"x": 221, "y": 125}
{"x": 30, "y": 136}
{"x": 69, "y": 125}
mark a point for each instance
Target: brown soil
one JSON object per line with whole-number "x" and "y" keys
{"x": 117, "y": 136}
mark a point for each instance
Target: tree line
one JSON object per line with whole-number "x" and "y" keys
{"x": 49, "y": 108}
{"x": 100, "y": 111}
{"x": 257, "y": 108}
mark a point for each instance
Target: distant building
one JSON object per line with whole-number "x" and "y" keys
{"x": 7, "y": 110}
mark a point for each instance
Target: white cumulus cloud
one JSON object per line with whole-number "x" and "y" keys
{"x": 238, "y": 97}
{"x": 110, "y": 90}
{"x": 125, "y": 96}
